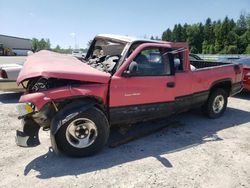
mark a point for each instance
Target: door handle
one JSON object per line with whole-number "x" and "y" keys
{"x": 171, "y": 84}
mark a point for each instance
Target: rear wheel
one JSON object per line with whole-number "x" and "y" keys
{"x": 83, "y": 135}
{"x": 216, "y": 103}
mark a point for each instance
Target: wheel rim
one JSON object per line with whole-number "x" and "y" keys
{"x": 81, "y": 133}
{"x": 218, "y": 104}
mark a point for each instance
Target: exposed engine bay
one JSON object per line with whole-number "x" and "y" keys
{"x": 104, "y": 63}
{"x": 104, "y": 54}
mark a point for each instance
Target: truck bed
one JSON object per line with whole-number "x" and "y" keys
{"x": 199, "y": 64}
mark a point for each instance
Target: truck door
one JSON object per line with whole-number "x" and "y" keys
{"x": 183, "y": 81}
{"x": 145, "y": 89}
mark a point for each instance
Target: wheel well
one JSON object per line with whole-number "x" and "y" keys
{"x": 226, "y": 85}
{"x": 98, "y": 103}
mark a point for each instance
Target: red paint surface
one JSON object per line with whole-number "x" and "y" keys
{"x": 246, "y": 79}
{"x": 98, "y": 91}
{"x": 51, "y": 64}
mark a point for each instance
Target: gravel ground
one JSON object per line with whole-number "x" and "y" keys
{"x": 200, "y": 152}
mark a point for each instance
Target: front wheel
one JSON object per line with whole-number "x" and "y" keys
{"x": 83, "y": 135}
{"x": 216, "y": 104}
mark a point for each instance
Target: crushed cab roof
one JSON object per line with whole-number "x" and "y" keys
{"x": 127, "y": 39}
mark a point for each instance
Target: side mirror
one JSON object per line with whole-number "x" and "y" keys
{"x": 177, "y": 62}
{"x": 132, "y": 70}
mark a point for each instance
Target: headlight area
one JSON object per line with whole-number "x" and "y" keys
{"x": 36, "y": 84}
{"x": 25, "y": 109}
{"x": 39, "y": 84}
{"x": 42, "y": 117}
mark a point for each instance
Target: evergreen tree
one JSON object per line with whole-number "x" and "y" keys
{"x": 225, "y": 36}
{"x": 208, "y": 32}
{"x": 167, "y": 35}
{"x": 241, "y": 24}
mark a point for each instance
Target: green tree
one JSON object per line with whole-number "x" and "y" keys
{"x": 47, "y": 46}
{"x": 167, "y": 35}
{"x": 247, "y": 51}
{"x": 241, "y": 24}
{"x": 57, "y": 48}
{"x": 211, "y": 49}
{"x": 35, "y": 44}
{"x": 178, "y": 35}
{"x": 218, "y": 36}
{"x": 157, "y": 38}
{"x": 232, "y": 49}
{"x": 205, "y": 47}
{"x": 208, "y": 32}
{"x": 227, "y": 36}
{"x": 194, "y": 38}
{"x": 184, "y": 32}
{"x": 42, "y": 44}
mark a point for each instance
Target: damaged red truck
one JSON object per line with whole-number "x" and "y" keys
{"x": 122, "y": 80}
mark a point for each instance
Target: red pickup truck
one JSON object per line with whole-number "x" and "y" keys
{"x": 122, "y": 80}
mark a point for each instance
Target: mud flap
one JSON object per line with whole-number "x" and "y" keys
{"x": 28, "y": 136}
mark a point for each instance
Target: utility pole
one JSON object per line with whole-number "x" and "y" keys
{"x": 74, "y": 35}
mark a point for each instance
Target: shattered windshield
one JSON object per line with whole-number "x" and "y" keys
{"x": 105, "y": 54}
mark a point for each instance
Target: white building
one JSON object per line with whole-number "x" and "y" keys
{"x": 20, "y": 46}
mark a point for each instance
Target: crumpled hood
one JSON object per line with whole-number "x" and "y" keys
{"x": 54, "y": 65}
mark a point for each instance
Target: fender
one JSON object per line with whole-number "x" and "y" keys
{"x": 220, "y": 82}
{"x": 69, "y": 112}
{"x": 223, "y": 83}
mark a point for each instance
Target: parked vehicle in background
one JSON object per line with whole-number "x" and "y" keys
{"x": 8, "y": 76}
{"x": 246, "y": 72}
{"x": 229, "y": 59}
{"x": 156, "y": 57}
{"x": 116, "y": 84}
{"x": 78, "y": 54}
{"x": 194, "y": 57}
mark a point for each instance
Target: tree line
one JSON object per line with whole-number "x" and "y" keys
{"x": 44, "y": 44}
{"x": 213, "y": 37}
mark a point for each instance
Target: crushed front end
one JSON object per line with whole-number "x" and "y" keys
{"x": 31, "y": 122}
{"x": 36, "y": 109}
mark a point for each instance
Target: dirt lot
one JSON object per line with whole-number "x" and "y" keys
{"x": 198, "y": 153}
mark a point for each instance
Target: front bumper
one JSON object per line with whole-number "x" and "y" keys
{"x": 27, "y": 135}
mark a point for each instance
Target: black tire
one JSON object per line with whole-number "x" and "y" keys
{"x": 208, "y": 108}
{"x": 99, "y": 119}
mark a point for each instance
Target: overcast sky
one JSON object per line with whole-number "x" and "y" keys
{"x": 61, "y": 20}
